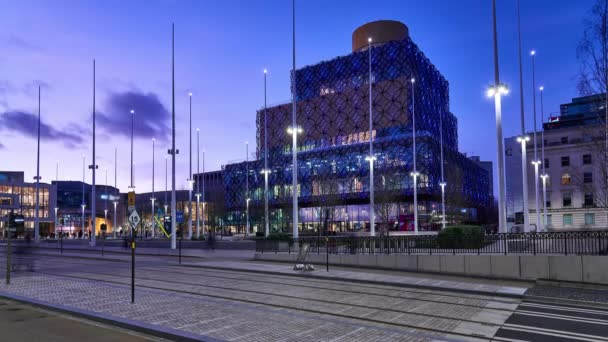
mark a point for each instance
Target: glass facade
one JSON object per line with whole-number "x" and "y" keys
{"x": 25, "y": 195}
{"x": 333, "y": 174}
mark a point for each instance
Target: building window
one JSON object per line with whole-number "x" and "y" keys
{"x": 566, "y": 179}
{"x": 566, "y": 161}
{"x": 588, "y": 199}
{"x": 546, "y": 163}
{"x": 564, "y": 140}
{"x": 587, "y": 177}
{"x": 567, "y": 199}
{"x": 549, "y": 219}
{"x": 567, "y": 219}
{"x": 589, "y": 219}
{"x": 586, "y": 159}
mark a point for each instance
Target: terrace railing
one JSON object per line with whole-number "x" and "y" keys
{"x": 545, "y": 243}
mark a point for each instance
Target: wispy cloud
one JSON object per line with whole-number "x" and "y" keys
{"x": 26, "y": 124}
{"x": 2, "y": 146}
{"x": 151, "y": 116}
{"x": 20, "y": 43}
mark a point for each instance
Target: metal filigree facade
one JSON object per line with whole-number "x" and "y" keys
{"x": 333, "y": 112}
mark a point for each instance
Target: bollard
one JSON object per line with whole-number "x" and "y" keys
{"x": 133, "y": 271}
{"x": 180, "y": 250}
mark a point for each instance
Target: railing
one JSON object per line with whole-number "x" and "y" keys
{"x": 546, "y": 243}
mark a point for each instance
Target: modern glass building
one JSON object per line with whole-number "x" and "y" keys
{"x": 333, "y": 174}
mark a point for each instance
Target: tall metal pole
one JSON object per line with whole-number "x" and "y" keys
{"x": 37, "y": 220}
{"x": 203, "y": 208}
{"x": 443, "y": 183}
{"x": 247, "y": 187}
{"x": 294, "y": 127}
{"x": 266, "y": 170}
{"x": 497, "y": 92}
{"x": 190, "y": 174}
{"x": 372, "y": 210}
{"x": 153, "y": 193}
{"x": 132, "y": 186}
{"x": 83, "y": 198}
{"x": 198, "y": 191}
{"x": 114, "y": 227}
{"x": 415, "y": 171}
{"x": 523, "y": 139}
{"x": 173, "y": 200}
{"x": 536, "y": 161}
{"x": 94, "y": 169}
{"x": 56, "y": 208}
{"x": 544, "y": 175}
{"x": 166, "y": 182}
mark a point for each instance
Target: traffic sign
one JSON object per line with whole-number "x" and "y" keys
{"x": 179, "y": 216}
{"x": 131, "y": 199}
{"x": 134, "y": 219}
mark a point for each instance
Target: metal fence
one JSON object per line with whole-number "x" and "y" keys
{"x": 548, "y": 243}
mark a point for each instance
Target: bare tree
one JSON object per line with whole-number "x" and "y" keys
{"x": 592, "y": 54}
{"x": 385, "y": 207}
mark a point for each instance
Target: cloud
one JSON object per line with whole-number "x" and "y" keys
{"x": 2, "y": 146}
{"x": 25, "y": 124}
{"x": 20, "y": 43}
{"x": 151, "y": 116}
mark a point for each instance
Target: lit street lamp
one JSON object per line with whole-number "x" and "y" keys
{"x": 198, "y": 192}
{"x": 523, "y": 139}
{"x": 294, "y": 124}
{"x": 266, "y": 171}
{"x": 371, "y": 157}
{"x": 115, "y": 201}
{"x": 544, "y": 176}
{"x": 414, "y": 173}
{"x": 190, "y": 185}
{"x": 497, "y": 91}
{"x": 83, "y": 199}
{"x": 536, "y": 162}
{"x": 247, "y": 187}
{"x": 153, "y": 193}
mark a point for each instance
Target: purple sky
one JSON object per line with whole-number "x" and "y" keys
{"x": 222, "y": 46}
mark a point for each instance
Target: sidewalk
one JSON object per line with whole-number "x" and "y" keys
{"x": 475, "y": 286}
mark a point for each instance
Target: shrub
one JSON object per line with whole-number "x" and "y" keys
{"x": 461, "y": 237}
{"x": 259, "y": 234}
{"x": 279, "y": 237}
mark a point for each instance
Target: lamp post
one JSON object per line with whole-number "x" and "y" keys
{"x": 93, "y": 168}
{"x": 173, "y": 151}
{"x": 105, "y": 219}
{"x": 56, "y": 208}
{"x": 371, "y": 157}
{"x": 414, "y": 173}
{"x": 536, "y": 162}
{"x": 198, "y": 192}
{"x": 153, "y": 193}
{"x": 497, "y": 91}
{"x": 523, "y": 138}
{"x": 190, "y": 173}
{"x": 203, "y": 194}
{"x": 115, "y": 200}
{"x": 37, "y": 219}
{"x": 544, "y": 176}
{"x": 266, "y": 170}
{"x": 247, "y": 188}
{"x": 294, "y": 125}
{"x": 166, "y": 182}
{"x": 83, "y": 205}
{"x": 442, "y": 184}
{"x": 132, "y": 186}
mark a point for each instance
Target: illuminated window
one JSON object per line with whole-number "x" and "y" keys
{"x": 566, "y": 179}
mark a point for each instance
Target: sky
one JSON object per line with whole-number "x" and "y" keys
{"x": 221, "y": 49}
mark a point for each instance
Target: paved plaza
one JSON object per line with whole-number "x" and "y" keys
{"x": 225, "y": 297}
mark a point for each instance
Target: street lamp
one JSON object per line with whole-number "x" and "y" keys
{"x": 544, "y": 176}
{"x": 247, "y": 186}
{"x": 524, "y": 157}
{"x": 414, "y": 173}
{"x": 294, "y": 124}
{"x": 153, "y": 193}
{"x": 442, "y": 185}
{"x": 93, "y": 168}
{"x": 83, "y": 199}
{"x": 536, "y": 162}
{"x": 198, "y": 192}
{"x": 115, "y": 179}
{"x": 37, "y": 178}
{"x": 371, "y": 157}
{"x": 190, "y": 173}
{"x": 266, "y": 171}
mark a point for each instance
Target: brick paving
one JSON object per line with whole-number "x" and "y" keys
{"x": 237, "y": 305}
